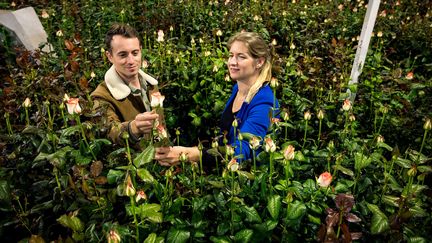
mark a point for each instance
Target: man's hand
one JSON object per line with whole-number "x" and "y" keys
{"x": 143, "y": 123}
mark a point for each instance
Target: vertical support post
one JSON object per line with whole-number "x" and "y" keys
{"x": 363, "y": 44}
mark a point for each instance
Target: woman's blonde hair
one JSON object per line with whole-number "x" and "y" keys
{"x": 257, "y": 48}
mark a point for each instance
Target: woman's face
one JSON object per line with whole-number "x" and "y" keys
{"x": 241, "y": 65}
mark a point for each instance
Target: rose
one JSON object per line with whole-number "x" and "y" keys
{"x": 141, "y": 195}
{"x": 183, "y": 157}
{"x": 113, "y": 236}
{"x": 161, "y": 35}
{"x": 254, "y": 143}
{"x": 235, "y": 123}
{"x": 233, "y": 165}
{"x": 427, "y": 125}
{"x": 324, "y": 179}
{"x": 270, "y": 146}
{"x": 275, "y": 120}
{"x": 320, "y": 114}
{"x": 289, "y": 152}
{"x": 307, "y": 115}
{"x": 27, "y": 103}
{"x": 130, "y": 189}
{"x": 346, "y": 105}
{"x": 274, "y": 83}
{"x": 162, "y": 132}
{"x": 73, "y": 106}
{"x": 156, "y": 100}
{"x": 285, "y": 115}
{"x": 229, "y": 150}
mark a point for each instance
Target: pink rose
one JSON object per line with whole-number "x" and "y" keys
{"x": 324, "y": 179}
{"x": 156, "y": 100}
{"x": 73, "y": 106}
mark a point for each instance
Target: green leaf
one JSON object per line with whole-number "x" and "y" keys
{"x": 220, "y": 239}
{"x": 424, "y": 168}
{"x": 145, "y": 175}
{"x": 4, "y": 191}
{"x": 156, "y": 218}
{"x": 391, "y": 200}
{"x": 274, "y": 206}
{"x": 344, "y": 170}
{"x": 252, "y": 215}
{"x": 244, "y": 235}
{"x": 147, "y": 212}
{"x": 177, "y": 236}
{"x": 148, "y": 209}
{"x": 216, "y": 184}
{"x": 299, "y": 156}
{"x": 404, "y": 163}
{"x": 57, "y": 159}
{"x": 115, "y": 176}
{"x": 80, "y": 159}
{"x": 313, "y": 219}
{"x": 417, "y": 211}
{"x": 267, "y": 226}
{"x": 39, "y": 208}
{"x": 384, "y": 145}
{"x": 245, "y": 174}
{"x": 70, "y": 131}
{"x": 361, "y": 161}
{"x": 296, "y": 209}
{"x": 418, "y": 157}
{"x": 309, "y": 185}
{"x": 145, "y": 156}
{"x": 380, "y": 221}
{"x": 416, "y": 239}
{"x": 72, "y": 222}
{"x": 153, "y": 238}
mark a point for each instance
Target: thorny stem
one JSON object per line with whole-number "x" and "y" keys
{"x": 254, "y": 160}
{"x": 50, "y": 120}
{"x": 8, "y": 124}
{"x": 27, "y": 117}
{"x": 217, "y": 165}
{"x": 304, "y": 137}
{"x": 386, "y": 178}
{"x": 271, "y": 171}
{"x": 340, "y": 222}
{"x": 135, "y": 218}
{"x": 381, "y": 124}
{"x": 85, "y": 138}
{"x": 131, "y": 198}
{"x": 422, "y": 144}
{"x": 232, "y": 203}
{"x": 319, "y": 132}
{"x": 64, "y": 118}
{"x": 55, "y": 170}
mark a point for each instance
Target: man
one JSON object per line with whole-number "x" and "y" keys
{"x": 123, "y": 96}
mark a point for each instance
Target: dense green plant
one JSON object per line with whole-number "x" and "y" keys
{"x": 331, "y": 170}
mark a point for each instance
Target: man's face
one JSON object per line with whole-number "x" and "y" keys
{"x": 125, "y": 55}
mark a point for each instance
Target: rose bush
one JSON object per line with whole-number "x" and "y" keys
{"x": 60, "y": 179}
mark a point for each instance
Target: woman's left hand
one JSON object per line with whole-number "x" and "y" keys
{"x": 169, "y": 156}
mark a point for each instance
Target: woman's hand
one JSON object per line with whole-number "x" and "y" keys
{"x": 169, "y": 156}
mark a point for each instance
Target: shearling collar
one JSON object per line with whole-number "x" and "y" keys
{"x": 117, "y": 86}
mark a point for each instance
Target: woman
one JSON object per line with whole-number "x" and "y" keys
{"x": 251, "y": 101}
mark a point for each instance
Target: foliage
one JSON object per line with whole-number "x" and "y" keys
{"x": 60, "y": 179}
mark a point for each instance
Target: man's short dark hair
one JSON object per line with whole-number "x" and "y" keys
{"x": 120, "y": 29}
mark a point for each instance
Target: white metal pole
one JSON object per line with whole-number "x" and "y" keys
{"x": 363, "y": 44}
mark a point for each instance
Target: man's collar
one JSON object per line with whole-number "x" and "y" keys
{"x": 118, "y": 88}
